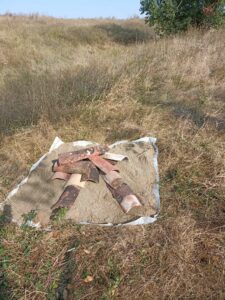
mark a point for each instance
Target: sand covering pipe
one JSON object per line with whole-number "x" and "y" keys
{"x": 86, "y": 165}
{"x": 95, "y": 203}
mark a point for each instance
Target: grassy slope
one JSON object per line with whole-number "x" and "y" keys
{"x": 108, "y": 80}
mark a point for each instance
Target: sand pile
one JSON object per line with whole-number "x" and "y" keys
{"x": 95, "y": 203}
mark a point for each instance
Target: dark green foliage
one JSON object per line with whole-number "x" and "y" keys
{"x": 171, "y": 16}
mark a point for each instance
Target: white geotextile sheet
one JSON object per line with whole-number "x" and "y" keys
{"x": 58, "y": 142}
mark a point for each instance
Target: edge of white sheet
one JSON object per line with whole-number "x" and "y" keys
{"x": 58, "y": 142}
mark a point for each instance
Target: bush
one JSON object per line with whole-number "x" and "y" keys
{"x": 171, "y": 16}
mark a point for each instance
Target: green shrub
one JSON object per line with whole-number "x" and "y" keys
{"x": 171, "y": 16}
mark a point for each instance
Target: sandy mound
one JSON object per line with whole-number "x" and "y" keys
{"x": 95, "y": 203}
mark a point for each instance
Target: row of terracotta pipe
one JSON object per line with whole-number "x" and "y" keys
{"x": 88, "y": 164}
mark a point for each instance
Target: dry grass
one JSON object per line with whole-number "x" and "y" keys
{"x": 107, "y": 80}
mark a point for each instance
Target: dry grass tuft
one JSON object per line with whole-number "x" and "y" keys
{"x": 175, "y": 259}
{"x": 103, "y": 81}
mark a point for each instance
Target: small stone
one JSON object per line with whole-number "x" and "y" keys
{"x": 88, "y": 279}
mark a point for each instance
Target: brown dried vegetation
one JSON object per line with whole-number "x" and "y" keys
{"x": 103, "y": 81}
